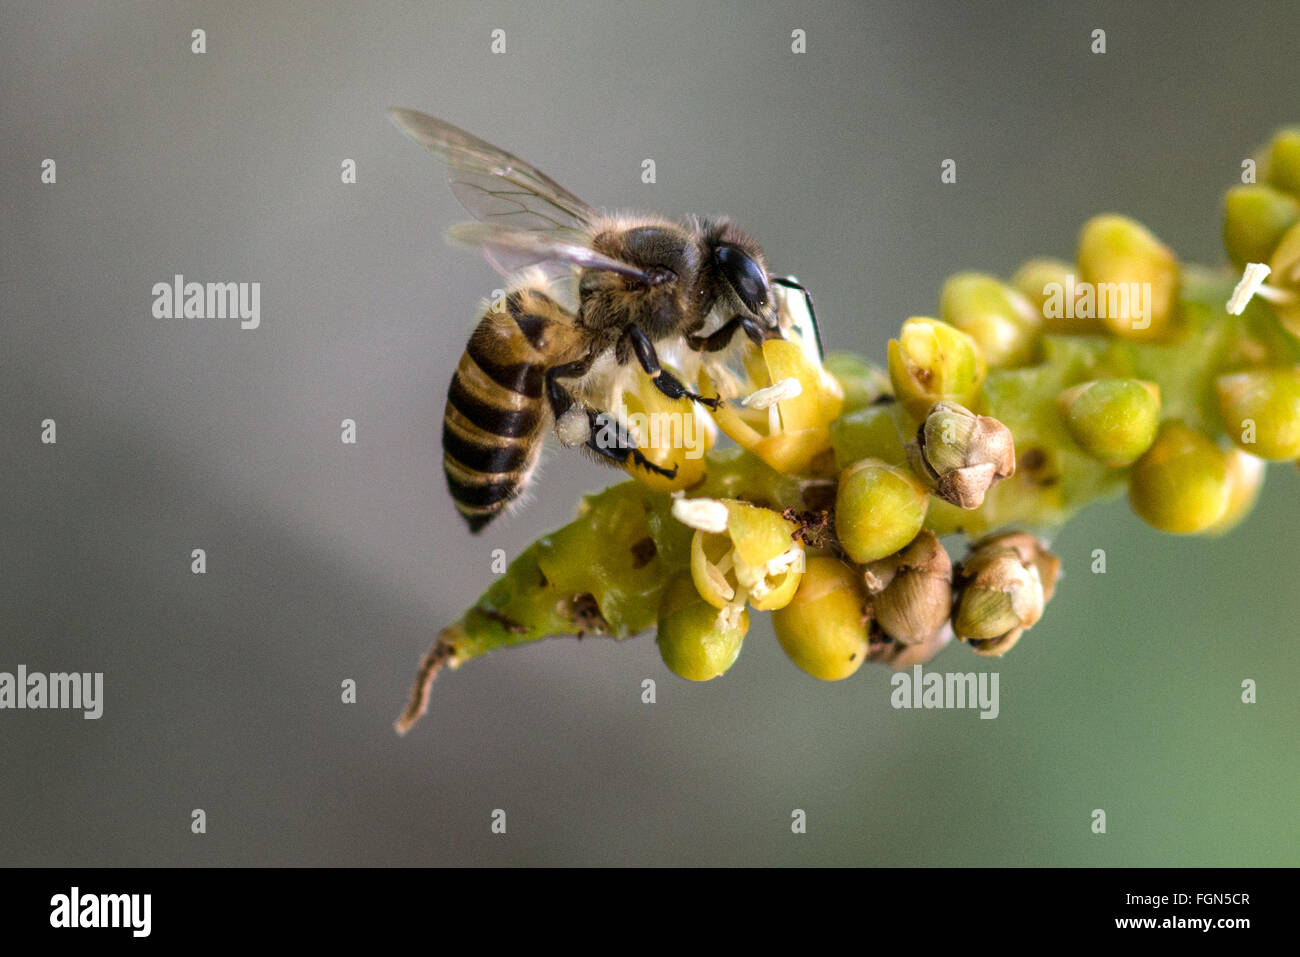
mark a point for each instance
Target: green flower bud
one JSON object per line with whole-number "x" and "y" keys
{"x": 1285, "y": 278}
{"x": 825, "y": 628}
{"x": 1134, "y": 277}
{"x": 1254, "y": 219}
{"x": 911, "y": 590}
{"x": 1003, "y": 323}
{"x": 1042, "y": 281}
{"x": 876, "y": 432}
{"x": 1245, "y": 479}
{"x": 1284, "y": 161}
{"x": 1000, "y": 595}
{"x": 693, "y": 639}
{"x": 1261, "y": 411}
{"x": 1181, "y": 484}
{"x": 931, "y": 361}
{"x": 1113, "y": 420}
{"x": 862, "y": 382}
{"x": 962, "y": 455}
{"x": 879, "y": 508}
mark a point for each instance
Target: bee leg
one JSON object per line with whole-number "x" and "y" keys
{"x": 606, "y": 435}
{"x": 611, "y": 440}
{"x": 722, "y": 338}
{"x": 789, "y": 283}
{"x": 664, "y": 381}
{"x": 560, "y": 398}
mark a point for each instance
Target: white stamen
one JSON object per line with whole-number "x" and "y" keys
{"x": 720, "y": 582}
{"x": 1251, "y": 281}
{"x": 776, "y": 392}
{"x": 791, "y": 556}
{"x": 705, "y": 514}
{"x": 1274, "y": 294}
{"x": 748, "y": 576}
{"x": 729, "y": 617}
{"x": 754, "y": 579}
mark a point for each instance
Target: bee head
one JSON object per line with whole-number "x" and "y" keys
{"x": 741, "y": 273}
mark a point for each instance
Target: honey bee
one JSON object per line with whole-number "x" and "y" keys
{"x": 589, "y": 293}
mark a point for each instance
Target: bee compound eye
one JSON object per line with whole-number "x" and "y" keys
{"x": 744, "y": 275}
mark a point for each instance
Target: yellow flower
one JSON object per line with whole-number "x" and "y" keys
{"x": 788, "y": 404}
{"x": 741, "y": 553}
{"x": 931, "y": 362}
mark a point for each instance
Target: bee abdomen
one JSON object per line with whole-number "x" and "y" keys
{"x": 522, "y": 378}
{"x": 492, "y": 426}
{"x": 481, "y": 458}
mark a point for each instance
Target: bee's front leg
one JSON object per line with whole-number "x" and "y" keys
{"x": 722, "y": 338}
{"x": 664, "y": 381}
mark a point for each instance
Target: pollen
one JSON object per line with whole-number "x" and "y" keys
{"x": 573, "y": 427}
{"x": 1252, "y": 279}
{"x": 777, "y": 392}
{"x": 704, "y": 514}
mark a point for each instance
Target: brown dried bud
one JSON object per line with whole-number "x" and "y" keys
{"x": 960, "y": 454}
{"x": 900, "y": 657}
{"x": 911, "y": 590}
{"x": 1002, "y": 587}
{"x": 1032, "y": 551}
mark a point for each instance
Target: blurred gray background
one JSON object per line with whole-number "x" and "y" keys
{"x": 328, "y": 561}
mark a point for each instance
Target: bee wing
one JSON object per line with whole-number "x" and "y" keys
{"x": 493, "y": 185}
{"x": 512, "y": 249}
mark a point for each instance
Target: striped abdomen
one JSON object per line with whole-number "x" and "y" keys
{"x": 496, "y": 405}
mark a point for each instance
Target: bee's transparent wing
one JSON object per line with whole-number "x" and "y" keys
{"x": 493, "y": 185}
{"x": 511, "y": 249}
